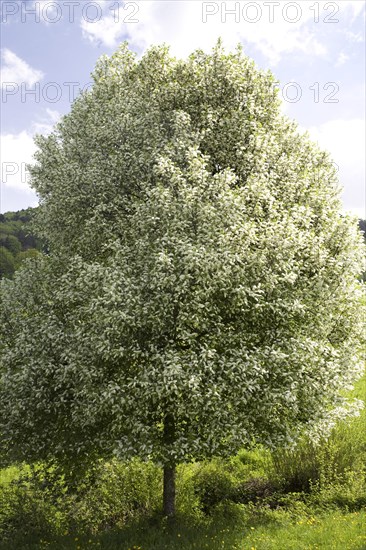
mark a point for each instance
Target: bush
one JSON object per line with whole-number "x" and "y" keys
{"x": 26, "y": 514}
{"x": 188, "y": 501}
{"x": 253, "y": 490}
{"x": 40, "y": 503}
{"x": 120, "y": 493}
{"x": 347, "y": 491}
{"x": 213, "y": 483}
{"x": 325, "y": 463}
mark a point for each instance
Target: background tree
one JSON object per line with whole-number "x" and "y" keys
{"x": 11, "y": 243}
{"x": 201, "y": 293}
{"x": 24, "y": 255}
{"x": 6, "y": 262}
{"x": 16, "y": 236}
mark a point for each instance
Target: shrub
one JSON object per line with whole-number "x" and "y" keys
{"x": 309, "y": 463}
{"x": 122, "y": 491}
{"x": 253, "y": 490}
{"x": 26, "y": 514}
{"x": 347, "y": 491}
{"x": 213, "y": 483}
{"x": 40, "y": 503}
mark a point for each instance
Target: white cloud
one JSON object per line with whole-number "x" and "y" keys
{"x": 180, "y": 24}
{"x": 342, "y": 58}
{"x": 17, "y": 71}
{"x": 345, "y": 140}
{"x": 355, "y": 37}
{"x": 18, "y": 150}
{"x": 46, "y": 123}
{"x": 355, "y": 6}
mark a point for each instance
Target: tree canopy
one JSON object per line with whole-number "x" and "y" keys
{"x": 201, "y": 289}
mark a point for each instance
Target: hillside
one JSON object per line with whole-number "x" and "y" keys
{"x": 16, "y": 240}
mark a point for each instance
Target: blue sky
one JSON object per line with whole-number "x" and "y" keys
{"x": 315, "y": 49}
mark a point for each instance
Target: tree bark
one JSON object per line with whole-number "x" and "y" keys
{"x": 169, "y": 469}
{"x": 169, "y": 491}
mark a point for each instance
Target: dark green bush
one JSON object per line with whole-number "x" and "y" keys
{"x": 253, "y": 490}
{"x": 11, "y": 243}
{"x": 213, "y": 483}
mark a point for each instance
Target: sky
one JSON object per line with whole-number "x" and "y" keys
{"x": 316, "y": 50}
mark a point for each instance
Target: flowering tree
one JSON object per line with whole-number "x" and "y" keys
{"x": 201, "y": 289}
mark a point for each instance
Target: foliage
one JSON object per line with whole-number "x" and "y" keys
{"x": 201, "y": 292}
{"x": 213, "y": 483}
{"x": 327, "y": 461}
{"x": 362, "y": 226}
{"x": 11, "y": 243}
{"x": 24, "y": 255}
{"x": 16, "y": 236}
{"x": 6, "y": 262}
{"x": 121, "y": 493}
{"x": 39, "y": 502}
{"x": 346, "y": 491}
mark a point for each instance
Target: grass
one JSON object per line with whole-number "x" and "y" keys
{"x": 331, "y": 531}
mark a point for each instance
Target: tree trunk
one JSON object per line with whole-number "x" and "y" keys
{"x": 169, "y": 491}
{"x": 169, "y": 469}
